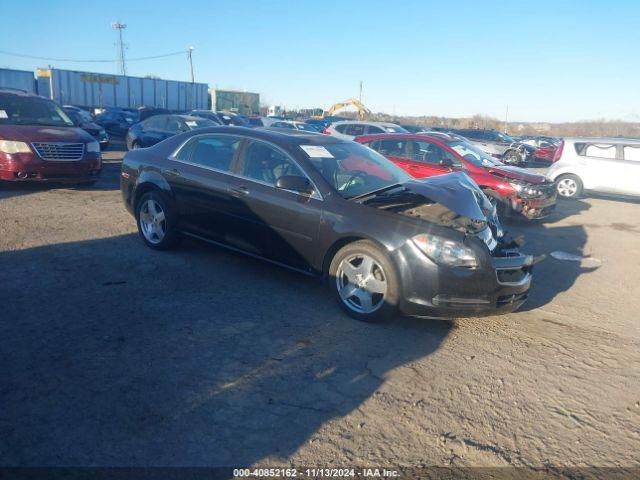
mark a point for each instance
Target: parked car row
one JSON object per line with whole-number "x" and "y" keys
{"x": 515, "y": 191}
{"x": 393, "y": 221}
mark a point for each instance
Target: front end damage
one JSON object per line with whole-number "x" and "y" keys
{"x": 498, "y": 282}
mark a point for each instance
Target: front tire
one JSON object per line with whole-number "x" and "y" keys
{"x": 569, "y": 186}
{"x": 156, "y": 222}
{"x": 364, "y": 282}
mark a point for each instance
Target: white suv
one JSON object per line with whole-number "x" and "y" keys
{"x": 607, "y": 165}
{"x": 351, "y": 130}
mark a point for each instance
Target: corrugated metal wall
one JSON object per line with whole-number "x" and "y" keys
{"x": 86, "y": 89}
{"x": 20, "y": 79}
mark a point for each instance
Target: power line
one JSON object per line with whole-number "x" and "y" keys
{"x": 22, "y": 55}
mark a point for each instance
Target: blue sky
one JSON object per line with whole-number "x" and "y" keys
{"x": 547, "y": 60}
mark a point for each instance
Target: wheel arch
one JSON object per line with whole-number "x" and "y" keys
{"x": 147, "y": 184}
{"x": 340, "y": 243}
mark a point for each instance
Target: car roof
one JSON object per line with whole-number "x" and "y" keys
{"x": 616, "y": 140}
{"x": 440, "y": 136}
{"x": 20, "y": 93}
{"x": 365, "y": 122}
{"x": 281, "y": 136}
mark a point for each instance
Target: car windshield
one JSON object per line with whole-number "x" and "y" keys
{"x": 353, "y": 169}
{"x": 473, "y": 155}
{"x": 196, "y": 122}
{"x": 74, "y": 116}
{"x": 505, "y": 138}
{"x": 19, "y": 110}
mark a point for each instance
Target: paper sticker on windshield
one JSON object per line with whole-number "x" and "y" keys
{"x": 191, "y": 123}
{"x": 316, "y": 151}
{"x": 3, "y": 114}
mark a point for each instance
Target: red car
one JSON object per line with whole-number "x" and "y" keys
{"x": 39, "y": 142}
{"x": 545, "y": 153}
{"x": 512, "y": 189}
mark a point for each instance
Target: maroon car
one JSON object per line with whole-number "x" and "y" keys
{"x": 39, "y": 142}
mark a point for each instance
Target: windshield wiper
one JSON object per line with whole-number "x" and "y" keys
{"x": 375, "y": 192}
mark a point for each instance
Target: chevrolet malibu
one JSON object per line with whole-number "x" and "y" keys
{"x": 332, "y": 208}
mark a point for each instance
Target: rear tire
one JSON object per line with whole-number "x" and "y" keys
{"x": 364, "y": 282}
{"x": 156, "y": 222}
{"x": 569, "y": 186}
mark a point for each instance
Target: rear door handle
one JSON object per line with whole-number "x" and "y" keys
{"x": 239, "y": 191}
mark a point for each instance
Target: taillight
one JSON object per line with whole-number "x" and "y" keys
{"x": 326, "y": 131}
{"x": 558, "y": 154}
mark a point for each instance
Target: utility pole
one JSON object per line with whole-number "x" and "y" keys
{"x": 120, "y": 26}
{"x": 190, "y": 53}
{"x": 506, "y": 117}
{"x": 360, "y": 98}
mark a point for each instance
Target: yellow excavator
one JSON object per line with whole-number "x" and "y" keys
{"x": 362, "y": 110}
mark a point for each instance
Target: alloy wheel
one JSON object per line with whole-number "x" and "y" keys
{"x": 152, "y": 221}
{"x": 567, "y": 187}
{"x": 361, "y": 283}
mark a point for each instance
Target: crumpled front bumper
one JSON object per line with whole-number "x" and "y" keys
{"x": 500, "y": 285}
{"x": 533, "y": 208}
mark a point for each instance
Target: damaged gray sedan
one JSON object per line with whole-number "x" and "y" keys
{"x": 384, "y": 242}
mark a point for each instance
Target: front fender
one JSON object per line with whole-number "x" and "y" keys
{"x": 151, "y": 180}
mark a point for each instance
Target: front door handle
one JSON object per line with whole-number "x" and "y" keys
{"x": 241, "y": 191}
{"x": 173, "y": 171}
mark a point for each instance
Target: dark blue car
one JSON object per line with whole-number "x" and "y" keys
{"x": 117, "y": 121}
{"x": 157, "y": 128}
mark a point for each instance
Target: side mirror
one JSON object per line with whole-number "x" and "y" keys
{"x": 295, "y": 183}
{"x": 445, "y": 162}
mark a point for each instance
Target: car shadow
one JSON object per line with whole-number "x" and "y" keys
{"x": 198, "y": 356}
{"x": 109, "y": 180}
{"x": 563, "y": 210}
{"x": 552, "y": 276}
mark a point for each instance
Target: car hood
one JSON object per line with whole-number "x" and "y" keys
{"x": 38, "y": 133}
{"x": 451, "y": 200}
{"x": 517, "y": 173}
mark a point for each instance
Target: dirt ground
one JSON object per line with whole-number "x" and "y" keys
{"x": 114, "y": 355}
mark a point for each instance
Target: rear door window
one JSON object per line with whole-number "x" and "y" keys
{"x": 597, "y": 150}
{"x": 431, "y": 153}
{"x": 392, "y": 148}
{"x": 631, "y": 152}
{"x": 373, "y": 129}
{"x": 355, "y": 129}
{"x": 215, "y": 151}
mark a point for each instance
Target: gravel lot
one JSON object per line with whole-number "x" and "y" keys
{"x": 115, "y": 355}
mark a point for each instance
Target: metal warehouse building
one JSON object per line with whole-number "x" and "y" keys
{"x": 90, "y": 90}
{"x": 20, "y": 79}
{"x": 244, "y": 103}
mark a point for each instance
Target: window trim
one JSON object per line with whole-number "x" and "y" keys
{"x": 238, "y": 159}
{"x": 194, "y": 139}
